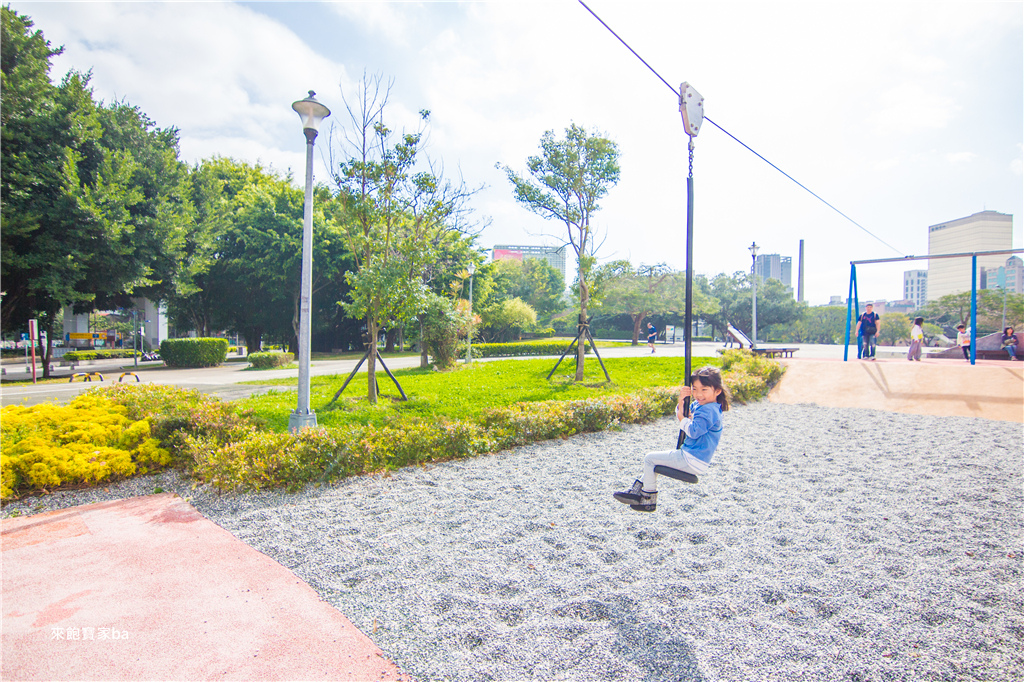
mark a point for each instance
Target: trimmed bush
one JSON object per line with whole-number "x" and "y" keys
{"x": 748, "y": 376}
{"x": 264, "y": 360}
{"x": 194, "y": 352}
{"x": 82, "y": 355}
{"x": 517, "y": 348}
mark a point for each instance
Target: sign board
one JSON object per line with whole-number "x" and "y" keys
{"x": 670, "y": 333}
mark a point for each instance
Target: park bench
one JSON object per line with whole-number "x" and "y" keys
{"x": 745, "y": 342}
{"x": 776, "y": 352}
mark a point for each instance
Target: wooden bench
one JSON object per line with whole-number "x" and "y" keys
{"x": 776, "y": 352}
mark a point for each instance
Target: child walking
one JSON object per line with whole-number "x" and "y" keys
{"x": 703, "y": 430}
{"x": 916, "y": 339}
{"x": 963, "y": 339}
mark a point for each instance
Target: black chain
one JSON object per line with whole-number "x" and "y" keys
{"x": 691, "y": 157}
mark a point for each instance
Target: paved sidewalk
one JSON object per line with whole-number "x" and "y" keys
{"x": 149, "y": 589}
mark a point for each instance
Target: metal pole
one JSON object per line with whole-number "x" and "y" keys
{"x": 753, "y": 305}
{"x": 688, "y": 339}
{"x": 849, "y": 311}
{"x": 469, "y": 333}
{"x": 303, "y": 416}
{"x": 974, "y": 307}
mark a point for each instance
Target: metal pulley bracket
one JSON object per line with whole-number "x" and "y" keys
{"x": 691, "y": 106}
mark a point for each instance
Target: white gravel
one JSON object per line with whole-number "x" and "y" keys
{"x": 823, "y": 544}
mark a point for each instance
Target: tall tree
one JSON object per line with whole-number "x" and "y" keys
{"x": 648, "y": 290}
{"x": 565, "y": 183}
{"x": 92, "y": 196}
{"x": 397, "y": 209}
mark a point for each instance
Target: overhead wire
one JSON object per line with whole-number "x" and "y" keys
{"x": 746, "y": 146}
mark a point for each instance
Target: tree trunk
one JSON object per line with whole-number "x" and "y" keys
{"x": 424, "y": 360}
{"x": 389, "y": 340}
{"x": 253, "y": 339}
{"x": 371, "y": 360}
{"x": 581, "y": 347}
{"x": 637, "y": 321}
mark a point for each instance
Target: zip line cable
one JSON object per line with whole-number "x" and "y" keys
{"x": 747, "y": 147}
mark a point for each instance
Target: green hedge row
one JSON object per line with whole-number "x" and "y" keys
{"x": 542, "y": 347}
{"x": 194, "y": 352}
{"x": 228, "y": 449}
{"x": 82, "y": 355}
{"x": 264, "y": 360}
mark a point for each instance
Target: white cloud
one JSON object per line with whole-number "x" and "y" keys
{"x": 224, "y": 75}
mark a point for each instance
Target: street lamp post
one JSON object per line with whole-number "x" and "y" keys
{"x": 469, "y": 334}
{"x": 753, "y": 303}
{"x": 311, "y": 113}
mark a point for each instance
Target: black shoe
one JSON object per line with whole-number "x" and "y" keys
{"x": 631, "y": 496}
{"x": 648, "y": 502}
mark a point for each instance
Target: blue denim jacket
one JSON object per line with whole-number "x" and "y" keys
{"x": 704, "y": 432}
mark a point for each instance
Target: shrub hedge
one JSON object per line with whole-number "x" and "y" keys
{"x": 516, "y": 348}
{"x": 194, "y": 352}
{"x": 269, "y": 360}
{"x": 133, "y": 428}
{"x": 82, "y": 355}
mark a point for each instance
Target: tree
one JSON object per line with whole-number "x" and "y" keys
{"x": 819, "y": 324}
{"x": 648, "y": 290}
{"x": 565, "y": 183}
{"x": 776, "y": 307}
{"x": 952, "y": 309}
{"x": 92, "y": 196}
{"x": 397, "y": 208}
{"x": 892, "y": 328}
{"x": 507, "y": 320}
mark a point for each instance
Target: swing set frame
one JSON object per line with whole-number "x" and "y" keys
{"x": 853, "y": 305}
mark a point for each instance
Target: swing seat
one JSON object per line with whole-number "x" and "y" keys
{"x": 677, "y": 474}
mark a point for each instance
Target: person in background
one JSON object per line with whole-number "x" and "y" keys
{"x": 868, "y": 326}
{"x": 916, "y": 340}
{"x": 1010, "y": 342}
{"x": 652, "y": 336}
{"x": 963, "y": 339}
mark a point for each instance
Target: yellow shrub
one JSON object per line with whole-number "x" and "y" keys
{"x": 86, "y": 441}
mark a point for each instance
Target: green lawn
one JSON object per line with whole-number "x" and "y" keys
{"x": 465, "y": 392}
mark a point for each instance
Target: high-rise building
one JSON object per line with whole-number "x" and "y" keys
{"x": 1009, "y": 276}
{"x": 774, "y": 266}
{"x": 915, "y": 287}
{"x": 555, "y": 255}
{"x": 985, "y": 231}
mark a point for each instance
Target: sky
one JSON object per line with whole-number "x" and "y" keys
{"x": 899, "y": 114}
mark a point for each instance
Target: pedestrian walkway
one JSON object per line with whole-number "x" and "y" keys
{"x": 149, "y": 589}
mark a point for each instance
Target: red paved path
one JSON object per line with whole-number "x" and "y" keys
{"x": 149, "y": 589}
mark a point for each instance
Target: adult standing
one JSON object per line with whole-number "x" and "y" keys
{"x": 1010, "y": 342}
{"x": 868, "y": 326}
{"x": 652, "y": 336}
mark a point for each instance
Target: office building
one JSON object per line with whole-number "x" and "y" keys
{"x": 774, "y": 266}
{"x": 985, "y": 231}
{"x": 1009, "y": 276}
{"x": 552, "y": 254}
{"x": 915, "y": 287}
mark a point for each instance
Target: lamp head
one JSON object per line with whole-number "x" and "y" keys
{"x": 311, "y": 112}
{"x": 753, "y": 248}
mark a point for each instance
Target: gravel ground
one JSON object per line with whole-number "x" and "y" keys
{"x": 824, "y": 544}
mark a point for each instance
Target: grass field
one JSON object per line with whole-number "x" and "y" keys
{"x": 465, "y": 392}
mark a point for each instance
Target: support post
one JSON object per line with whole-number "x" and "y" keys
{"x": 850, "y": 311}
{"x": 974, "y": 307}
